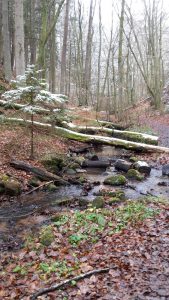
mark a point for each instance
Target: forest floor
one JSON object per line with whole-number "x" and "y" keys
{"x": 130, "y": 238}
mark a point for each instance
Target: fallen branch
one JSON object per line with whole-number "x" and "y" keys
{"x": 95, "y": 139}
{"x": 38, "y": 187}
{"x": 62, "y": 284}
{"x": 42, "y": 174}
{"x": 17, "y": 106}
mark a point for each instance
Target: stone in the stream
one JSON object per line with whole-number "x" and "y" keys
{"x": 81, "y": 171}
{"x": 92, "y": 156}
{"x": 12, "y": 187}
{"x": 70, "y": 172}
{"x": 98, "y": 202}
{"x": 115, "y": 180}
{"x": 133, "y": 159}
{"x": 135, "y": 174}
{"x": 122, "y": 165}
{"x": 52, "y": 187}
{"x": 165, "y": 170}
{"x": 142, "y": 167}
{"x": 83, "y": 202}
{"x": 34, "y": 181}
{"x": 2, "y": 188}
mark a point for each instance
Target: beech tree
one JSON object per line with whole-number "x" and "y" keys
{"x": 6, "y": 41}
{"x": 19, "y": 39}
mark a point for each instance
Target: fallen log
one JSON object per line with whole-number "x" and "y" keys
{"x": 95, "y": 139}
{"x": 40, "y": 173}
{"x": 95, "y": 164}
{"x": 126, "y": 135}
{"x": 111, "y": 125}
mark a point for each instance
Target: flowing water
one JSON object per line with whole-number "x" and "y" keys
{"x": 33, "y": 210}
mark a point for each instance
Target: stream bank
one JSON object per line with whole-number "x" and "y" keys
{"x": 34, "y": 210}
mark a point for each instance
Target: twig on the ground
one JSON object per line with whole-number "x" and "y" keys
{"x": 57, "y": 286}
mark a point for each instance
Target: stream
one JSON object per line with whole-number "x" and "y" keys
{"x": 34, "y": 210}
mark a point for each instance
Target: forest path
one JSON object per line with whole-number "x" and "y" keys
{"x": 160, "y": 126}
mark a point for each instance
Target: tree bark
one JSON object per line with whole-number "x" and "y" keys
{"x": 40, "y": 173}
{"x": 6, "y": 41}
{"x": 64, "y": 50}
{"x": 19, "y": 38}
{"x": 126, "y": 135}
{"x": 95, "y": 139}
{"x": 1, "y": 38}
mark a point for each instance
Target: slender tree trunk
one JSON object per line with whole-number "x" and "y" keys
{"x": 64, "y": 50}
{"x": 99, "y": 58}
{"x": 120, "y": 61}
{"x": 6, "y": 42}
{"x": 19, "y": 38}
{"x": 52, "y": 68}
{"x": 1, "y": 38}
{"x": 46, "y": 33}
{"x": 87, "y": 71}
{"x": 33, "y": 42}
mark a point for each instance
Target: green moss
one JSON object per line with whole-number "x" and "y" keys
{"x": 82, "y": 179}
{"x": 115, "y": 180}
{"x": 4, "y": 178}
{"x": 51, "y": 187}
{"x": 34, "y": 181}
{"x": 114, "y": 200}
{"x": 135, "y": 138}
{"x": 98, "y": 202}
{"x": 46, "y": 236}
{"x": 134, "y": 174}
{"x": 12, "y": 187}
{"x": 55, "y": 162}
{"x": 133, "y": 159}
{"x": 117, "y": 193}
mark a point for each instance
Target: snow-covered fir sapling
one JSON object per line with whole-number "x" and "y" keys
{"x": 32, "y": 92}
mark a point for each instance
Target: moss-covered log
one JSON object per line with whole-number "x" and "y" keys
{"x": 121, "y": 134}
{"x": 40, "y": 173}
{"x": 95, "y": 139}
{"x": 112, "y": 125}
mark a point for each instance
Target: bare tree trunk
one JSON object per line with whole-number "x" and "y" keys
{"x": 19, "y": 38}
{"x": 32, "y": 33}
{"x": 6, "y": 42}
{"x": 87, "y": 71}
{"x": 64, "y": 50}
{"x": 99, "y": 58}
{"x": 46, "y": 32}
{"x": 1, "y": 39}
{"x": 120, "y": 61}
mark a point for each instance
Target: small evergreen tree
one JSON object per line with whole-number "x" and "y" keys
{"x": 31, "y": 91}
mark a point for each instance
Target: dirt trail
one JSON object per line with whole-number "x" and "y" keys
{"x": 159, "y": 125}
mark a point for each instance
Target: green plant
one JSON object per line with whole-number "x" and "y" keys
{"x": 60, "y": 267}
{"x": 60, "y": 220}
{"x": 46, "y": 236}
{"x": 76, "y": 238}
{"x": 19, "y": 269}
{"x": 133, "y": 212}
